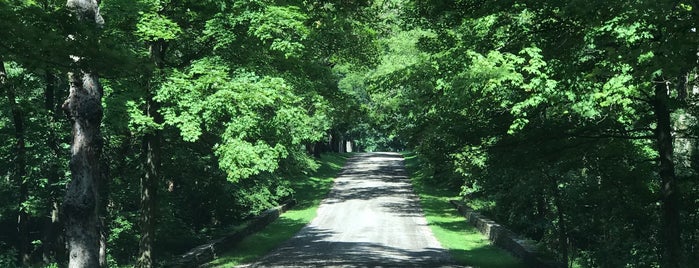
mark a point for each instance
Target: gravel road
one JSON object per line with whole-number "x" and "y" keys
{"x": 371, "y": 218}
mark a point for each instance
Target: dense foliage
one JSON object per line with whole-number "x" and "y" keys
{"x": 210, "y": 108}
{"x": 572, "y": 122}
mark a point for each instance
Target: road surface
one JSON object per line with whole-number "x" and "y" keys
{"x": 371, "y": 218}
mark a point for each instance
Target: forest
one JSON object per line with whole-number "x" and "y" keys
{"x": 133, "y": 130}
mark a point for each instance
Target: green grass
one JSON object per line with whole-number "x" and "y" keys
{"x": 466, "y": 245}
{"x": 309, "y": 192}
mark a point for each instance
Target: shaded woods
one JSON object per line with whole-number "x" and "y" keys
{"x": 571, "y": 122}
{"x": 139, "y": 129}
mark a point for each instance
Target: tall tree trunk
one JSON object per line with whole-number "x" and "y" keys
{"x": 84, "y": 107}
{"x": 149, "y": 182}
{"x": 102, "y": 214}
{"x": 50, "y": 248}
{"x": 318, "y": 149}
{"x": 331, "y": 143}
{"x": 20, "y": 168}
{"x": 670, "y": 229}
{"x": 562, "y": 227}
{"x": 80, "y": 202}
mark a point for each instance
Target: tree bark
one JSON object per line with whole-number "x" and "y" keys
{"x": 562, "y": 227}
{"x": 102, "y": 214}
{"x": 149, "y": 182}
{"x": 149, "y": 191}
{"x": 20, "y": 172}
{"x": 49, "y": 241}
{"x": 84, "y": 108}
{"x": 318, "y": 148}
{"x": 670, "y": 228}
{"x": 80, "y": 202}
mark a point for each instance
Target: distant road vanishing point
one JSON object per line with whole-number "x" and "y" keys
{"x": 371, "y": 218}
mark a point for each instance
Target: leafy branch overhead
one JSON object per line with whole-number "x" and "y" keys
{"x": 209, "y": 110}
{"x": 257, "y": 118}
{"x": 573, "y": 123}
{"x": 153, "y": 27}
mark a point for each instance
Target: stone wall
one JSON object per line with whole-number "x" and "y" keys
{"x": 504, "y": 238}
{"x": 209, "y": 251}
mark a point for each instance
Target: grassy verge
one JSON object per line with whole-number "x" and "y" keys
{"x": 464, "y": 242}
{"x": 309, "y": 192}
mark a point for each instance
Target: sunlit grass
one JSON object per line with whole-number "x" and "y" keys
{"x": 466, "y": 245}
{"x": 309, "y": 193}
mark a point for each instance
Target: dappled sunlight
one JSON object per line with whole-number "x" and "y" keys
{"x": 464, "y": 242}
{"x": 348, "y": 253}
{"x": 370, "y": 218}
{"x": 309, "y": 192}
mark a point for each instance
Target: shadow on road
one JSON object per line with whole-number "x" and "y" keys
{"x": 354, "y": 254}
{"x": 371, "y": 218}
{"x": 385, "y": 175}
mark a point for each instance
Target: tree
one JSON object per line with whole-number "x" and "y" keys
{"x": 156, "y": 30}
{"x": 20, "y": 166}
{"x": 567, "y": 78}
{"x": 84, "y": 107}
{"x": 243, "y": 87}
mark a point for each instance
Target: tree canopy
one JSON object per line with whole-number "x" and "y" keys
{"x": 571, "y": 122}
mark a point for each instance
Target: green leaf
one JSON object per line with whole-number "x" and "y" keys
{"x": 153, "y": 27}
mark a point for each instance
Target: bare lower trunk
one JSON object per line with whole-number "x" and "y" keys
{"x": 562, "y": 227}
{"x": 149, "y": 182}
{"x": 50, "y": 247}
{"x": 102, "y": 214}
{"x": 670, "y": 229}
{"x": 49, "y": 242}
{"x": 80, "y": 202}
{"x": 149, "y": 190}
{"x": 338, "y": 144}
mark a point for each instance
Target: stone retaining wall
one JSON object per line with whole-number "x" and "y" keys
{"x": 504, "y": 238}
{"x": 209, "y": 251}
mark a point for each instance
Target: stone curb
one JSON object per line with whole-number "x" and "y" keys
{"x": 504, "y": 238}
{"x": 209, "y": 251}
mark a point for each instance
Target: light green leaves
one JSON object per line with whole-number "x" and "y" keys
{"x": 515, "y": 83}
{"x": 256, "y": 119}
{"x": 153, "y": 26}
{"x": 283, "y": 27}
{"x": 277, "y": 28}
{"x": 241, "y": 159}
{"x": 138, "y": 122}
{"x": 630, "y": 32}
